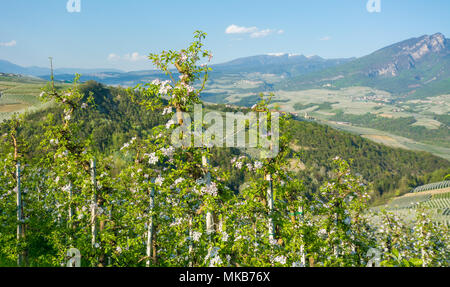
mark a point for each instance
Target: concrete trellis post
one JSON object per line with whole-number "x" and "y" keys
{"x": 209, "y": 222}
{"x": 150, "y": 227}
{"x": 422, "y": 253}
{"x": 93, "y": 204}
{"x": 70, "y": 204}
{"x": 191, "y": 245}
{"x": 20, "y": 234}
{"x": 336, "y": 248}
{"x": 110, "y": 219}
{"x": 270, "y": 206}
{"x": 302, "y": 246}
{"x": 209, "y": 214}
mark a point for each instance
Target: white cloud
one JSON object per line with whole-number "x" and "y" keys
{"x": 133, "y": 57}
{"x": 325, "y": 38}
{"x": 262, "y": 33}
{"x": 8, "y": 44}
{"x": 234, "y": 29}
{"x": 113, "y": 57}
{"x": 253, "y": 31}
{"x": 283, "y": 54}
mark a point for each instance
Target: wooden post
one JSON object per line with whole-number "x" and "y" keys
{"x": 94, "y": 204}
{"x": 270, "y": 205}
{"x": 150, "y": 227}
{"x": 20, "y": 234}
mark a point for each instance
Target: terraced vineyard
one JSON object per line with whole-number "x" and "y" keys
{"x": 432, "y": 186}
{"x": 438, "y": 201}
{"x": 434, "y": 197}
{"x": 409, "y": 201}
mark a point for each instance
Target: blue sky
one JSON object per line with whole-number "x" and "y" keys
{"x": 120, "y": 33}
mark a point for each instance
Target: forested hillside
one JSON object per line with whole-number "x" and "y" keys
{"x": 116, "y": 119}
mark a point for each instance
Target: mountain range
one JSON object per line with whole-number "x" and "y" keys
{"x": 414, "y": 68}
{"x": 8, "y": 67}
{"x": 288, "y": 65}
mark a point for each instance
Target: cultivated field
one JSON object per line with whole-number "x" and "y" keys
{"x": 19, "y": 94}
{"x": 323, "y": 104}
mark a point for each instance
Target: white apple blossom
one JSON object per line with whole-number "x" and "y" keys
{"x": 167, "y": 111}
{"x": 196, "y": 236}
{"x": 165, "y": 88}
{"x": 280, "y": 259}
{"x": 66, "y": 188}
{"x": 224, "y": 237}
{"x": 153, "y": 158}
{"x": 183, "y": 57}
{"x": 126, "y": 145}
{"x": 168, "y": 151}
{"x": 258, "y": 165}
{"x": 169, "y": 124}
{"x": 178, "y": 181}
{"x": 210, "y": 189}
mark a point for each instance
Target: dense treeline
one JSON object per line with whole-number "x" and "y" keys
{"x": 391, "y": 171}
{"x": 445, "y": 119}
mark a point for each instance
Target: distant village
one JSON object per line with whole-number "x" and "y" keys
{"x": 373, "y": 98}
